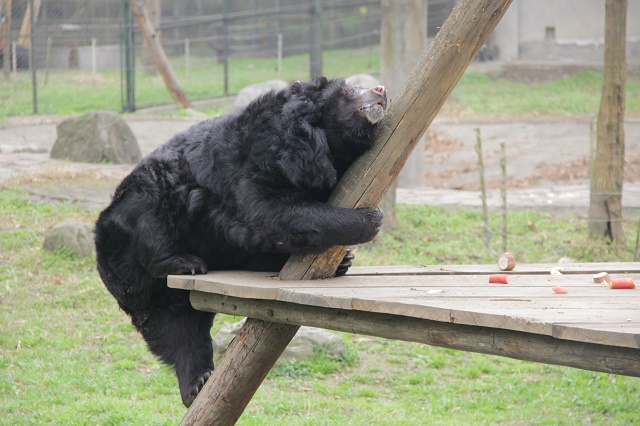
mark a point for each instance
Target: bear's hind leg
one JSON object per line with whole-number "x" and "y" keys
{"x": 181, "y": 337}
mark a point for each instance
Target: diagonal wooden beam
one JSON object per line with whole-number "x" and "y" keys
{"x": 245, "y": 364}
{"x": 242, "y": 368}
{"x": 428, "y": 87}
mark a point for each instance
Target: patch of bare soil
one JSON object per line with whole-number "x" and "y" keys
{"x": 540, "y": 152}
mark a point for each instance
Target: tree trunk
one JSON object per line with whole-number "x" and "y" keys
{"x": 5, "y": 43}
{"x": 153, "y": 12}
{"x": 159, "y": 57}
{"x": 605, "y": 210}
{"x": 25, "y": 29}
{"x": 403, "y": 40}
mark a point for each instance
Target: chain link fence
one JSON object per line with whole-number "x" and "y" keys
{"x": 69, "y": 62}
{"x": 89, "y": 54}
{"x": 217, "y": 49}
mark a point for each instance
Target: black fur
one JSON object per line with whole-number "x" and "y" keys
{"x": 242, "y": 191}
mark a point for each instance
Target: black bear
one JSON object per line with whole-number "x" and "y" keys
{"x": 242, "y": 191}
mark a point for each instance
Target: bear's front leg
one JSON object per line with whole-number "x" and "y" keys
{"x": 178, "y": 265}
{"x": 339, "y": 227}
{"x": 312, "y": 227}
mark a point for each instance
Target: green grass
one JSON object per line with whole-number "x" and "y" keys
{"x": 578, "y": 94}
{"x": 69, "y": 356}
{"x": 76, "y": 91}
{"x": 532, "y": 238}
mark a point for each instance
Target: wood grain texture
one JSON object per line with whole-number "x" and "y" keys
{"x": 526, "y": 304}
{"x": 520, "y": 269}
{"x": 605, "y": 205}
{"x": 245, "y": 364}
{"x": 428, "y": 87}
{"x": 488, "y": 340}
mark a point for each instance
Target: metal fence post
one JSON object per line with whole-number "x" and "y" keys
{"x": 315, "y": 49}
{"x": 32, "y": 59}
{"x": 225, "y": 25}
{"x": 129, "y": 60}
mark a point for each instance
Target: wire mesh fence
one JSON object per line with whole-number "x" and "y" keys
{"x": 67, "y": 56}
{"x": 80, "y": 55}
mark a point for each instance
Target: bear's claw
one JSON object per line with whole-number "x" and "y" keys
{"x": 345, "y": 264}
{"x": 195, "y": 388}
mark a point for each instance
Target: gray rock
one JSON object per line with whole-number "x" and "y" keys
{"x": 76, "y": 236}
{"x": 251, "y": 92}
{"x": 362, "y": 80}
{"x": 306, "y": 340}
{"x": 96, "y": 137}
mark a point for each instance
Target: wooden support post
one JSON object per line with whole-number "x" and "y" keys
{"x": 245, "y": 364}
{"x": 159, "y": 57}
{"x": 483, "y": 194}
{"x": 428, "y": 87}
{"x": 503, "y": 193}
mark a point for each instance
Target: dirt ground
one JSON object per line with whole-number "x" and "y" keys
{"x": 540, "y": 151}
{"x": 545, "y": 155}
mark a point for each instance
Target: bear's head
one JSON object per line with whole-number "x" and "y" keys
{"x": 347, "y": 114}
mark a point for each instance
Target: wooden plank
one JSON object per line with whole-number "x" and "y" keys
{"x": 245, "y": 364}
{"x": 527, "y": 304}
{"x": 492, "y": 306}
{"x": 584, "y": 296}
{"x": 625, "y": 334}
{"x": 263, "y": 283}
{"x": 536, "y": 320}
{"x": 521, "y": 269}
{"x": 428, "y": 87}
{"x": 494, "y": 300}
{"x": 508, "y": 343}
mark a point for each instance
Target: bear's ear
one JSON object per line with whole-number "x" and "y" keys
{"x": 321, "y": 82}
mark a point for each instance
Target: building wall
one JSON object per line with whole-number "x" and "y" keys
{"x": 569, "y": 30}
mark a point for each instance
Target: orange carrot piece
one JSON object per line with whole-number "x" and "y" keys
{"x": 499, "y": 279}
{"x": 622, "y": 283}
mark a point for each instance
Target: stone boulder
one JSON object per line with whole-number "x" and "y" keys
{"x": 306, "y": 341}
{"x": 76, "y": 236}
{"x": 96, "y": 137}
{"x": 251, "y": 92}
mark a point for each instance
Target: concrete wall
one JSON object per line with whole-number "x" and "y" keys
{"x": 565, "y": 30}
{"x": 106, "y": 57}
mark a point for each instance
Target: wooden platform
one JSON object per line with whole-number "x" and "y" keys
{"x": 591, "y": 327}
